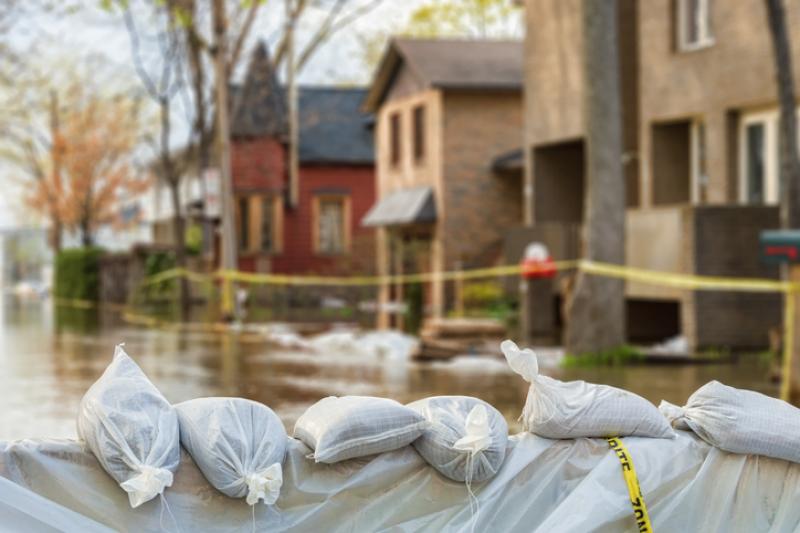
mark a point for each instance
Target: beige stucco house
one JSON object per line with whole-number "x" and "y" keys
{"x": 700, "y": 141}
{"x": 448, "y": 119}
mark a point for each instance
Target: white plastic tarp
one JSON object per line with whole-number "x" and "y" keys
{"x": 544, "y": 485}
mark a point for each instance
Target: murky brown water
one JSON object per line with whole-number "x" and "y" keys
{"x": 46, "y": 366}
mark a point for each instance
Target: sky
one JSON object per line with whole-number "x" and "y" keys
{"x": 57, "y": 41}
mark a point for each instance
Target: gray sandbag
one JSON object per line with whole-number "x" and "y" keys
{"x": 131, "y": 429}
{"x": 466, "y": 440}
{"x": 739, "y": 421}
{"x": 238, "y": 444}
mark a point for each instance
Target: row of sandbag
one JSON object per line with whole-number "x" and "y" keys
{"x": 734, "y": 420}
{"x": 239, "y": 445}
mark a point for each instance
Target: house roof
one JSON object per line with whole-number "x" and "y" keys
{"x": 450, "y": 64}
{"x": 333, "y": 127}
{"x": 261, "y": 107}
{"x": 414, "y": 205}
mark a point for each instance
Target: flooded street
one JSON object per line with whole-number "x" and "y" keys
{"x": 46, "y": 366}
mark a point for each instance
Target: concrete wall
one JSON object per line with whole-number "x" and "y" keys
{"x": 713, "y": 84}
{"x": 554, "y": 80}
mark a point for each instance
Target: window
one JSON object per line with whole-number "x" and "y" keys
{"x": 267, "y": 224}
{"x": 693, "y": 24}
{"x": 244, "y": 223}
{"x": 419, "y": 133}
{"x": 758, "y": 163}
{"x": 698, "y": 154}
{"x": 331, "y": 224}
{"x": 394, "y": 139}
{"x": 259, "y": 223}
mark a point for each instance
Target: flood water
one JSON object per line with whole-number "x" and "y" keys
{"x": 46, "y": 365}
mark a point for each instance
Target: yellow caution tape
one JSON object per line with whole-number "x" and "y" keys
{"x": 681, "y": 281}
{"x": 632, "y": 481}
{"x": 685, "y": 281}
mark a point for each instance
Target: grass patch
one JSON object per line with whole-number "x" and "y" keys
{"x": 622, "y": 355}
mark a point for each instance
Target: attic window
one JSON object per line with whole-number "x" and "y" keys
{"x": 419, "y": 133}
{"x": 394, "y": 139}
{"x": 693, "y": 24}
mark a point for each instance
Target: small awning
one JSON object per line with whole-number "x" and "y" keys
{"x": 405, "y": 206}
{"x": 509, "y": 163}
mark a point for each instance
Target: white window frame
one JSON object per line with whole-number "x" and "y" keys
{"x": 705, "y": 37}
{"x": 771, "y": 191}
{"x": 699, "y": 177}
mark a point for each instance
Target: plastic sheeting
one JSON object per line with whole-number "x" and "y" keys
{"x": 544, "y": 485}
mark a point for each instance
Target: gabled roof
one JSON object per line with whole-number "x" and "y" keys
{"x": 261, "y": 109}
{"x": 333, "y": 128}
{"x": 450, "y": 64}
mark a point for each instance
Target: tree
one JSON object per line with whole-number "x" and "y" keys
{"x": 784, "y": 78}
{"x": 596, "y": 309}
{"x": 789, "y": 162}
{"x": 96, "y": 144}
{"x": 82, "y": 187}
{"x": 478, "y": 19}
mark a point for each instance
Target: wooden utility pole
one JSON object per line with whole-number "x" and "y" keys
{"x": 291, "y": 86}
{"x": 55, "y": 155}
{"x": 229, "y": 258}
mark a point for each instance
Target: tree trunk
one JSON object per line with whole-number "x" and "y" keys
{"x": 229, "y": 253}
{"x": 86, "y": 232}
{"x": 789, "y": 175}
{"x": 55, "y": 233}
{"x": 784, "y": 77}
{"x": 173, "y": 180}
{"x": 596, "y": 308}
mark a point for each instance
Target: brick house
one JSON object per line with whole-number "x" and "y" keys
{"x": 448, "y": 112}
{"x": 336, "y": 181}
{"x": 700, "y": 141}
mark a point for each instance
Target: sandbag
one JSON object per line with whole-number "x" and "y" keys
{"x": 339, "y": 428}
{"x": 131, "y": 429}
{"x": 739, "y": 421}
{"x": 237, "y": 444}
{"x": 565, "y": 410}
{"x": 466, "y": 439}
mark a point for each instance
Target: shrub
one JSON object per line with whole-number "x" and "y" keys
{"x": 77, "y": 274}
{"x": 622, "y": 355}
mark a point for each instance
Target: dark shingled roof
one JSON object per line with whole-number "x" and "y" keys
{"x": 451, "y": 64}
{"x": 261, "y": 109}
{"x": 333, "y": 128}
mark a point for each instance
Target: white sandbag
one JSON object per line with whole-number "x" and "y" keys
{"x": 466, "y": 439}
{"x": 339, "y": 428}
{"x": 564, "y": 410}
{"x": 131, "y": 429}
{"x": 739, "y": 421}
{"x": 238, "y": 444}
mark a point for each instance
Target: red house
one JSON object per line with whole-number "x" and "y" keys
{"x": 336, "y": 181}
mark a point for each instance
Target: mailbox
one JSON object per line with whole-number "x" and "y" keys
{"x": 780, "y": 246}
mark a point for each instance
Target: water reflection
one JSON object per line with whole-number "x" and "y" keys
{"x": 46, "y": 365}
